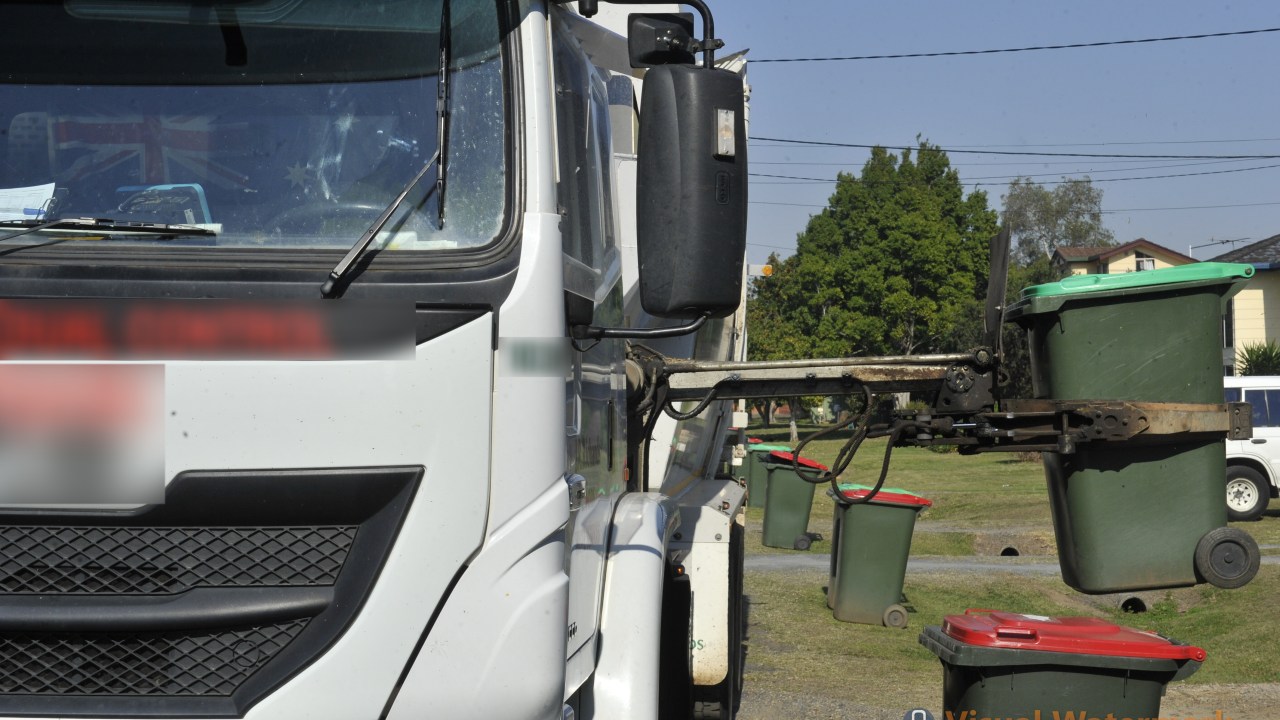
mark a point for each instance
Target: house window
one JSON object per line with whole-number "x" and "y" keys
{"x": 1144, "y": 262}
{"x": 1228, "y": 325}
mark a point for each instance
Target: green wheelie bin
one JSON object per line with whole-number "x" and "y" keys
{"x": 1135, "y": 516}
{"x": 1007, "y": 665}
{"x": 870, "y": 543}
{"x": 788, "y": 501}
{"x": 757, "y": 474}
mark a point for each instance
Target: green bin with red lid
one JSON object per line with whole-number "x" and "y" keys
{"x": 1148, "y": 513}
{"x": 870, "y": 543}
{"x": 1001, "y": 664}
{"x": 757, "y": 474}
{"x": 788, "y": 499}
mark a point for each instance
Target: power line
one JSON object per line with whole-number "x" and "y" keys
{"x": 766, "y": 202}
{"x": 1121, "y": 210}
{"x": 993, "y": 51}
{"x": 776, "y": 247}
{"x": 1101, "y": 144}
{"x": 811, "y": 180}
{"x": 1040, "y": 163}
{"x": 1156, "y": 177}
{"x": 1190, "y": 207}
{"x": 1117, "y": 142}
{"x": 823, "y": 143}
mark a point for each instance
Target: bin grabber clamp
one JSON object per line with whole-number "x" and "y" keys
{"x": 1060, "y": 425}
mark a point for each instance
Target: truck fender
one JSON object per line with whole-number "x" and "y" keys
{"x": 625, "y": 683}
{"x": 496, "y": 649}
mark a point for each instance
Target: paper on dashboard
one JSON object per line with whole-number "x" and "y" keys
{"x": 25, "y": 203}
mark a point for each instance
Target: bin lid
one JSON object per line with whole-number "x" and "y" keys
{"x": 778, "y": 456}
{"x": 1074, "y": 635}
{"x": 754, "y": 441}
{"x": 888, "y": 496}
{"x": 1195, "y": 272}
{"x": 766, "y": 447}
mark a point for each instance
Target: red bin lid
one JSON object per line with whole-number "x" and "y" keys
{"x": 1075, "y": 635}
{"x": 754, "y": 441}
{"x": 786, "y": 457}
{"x": 888, "y": 496}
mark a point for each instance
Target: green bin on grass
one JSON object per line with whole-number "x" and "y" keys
{"x": 1135, "y": 516}
{"x": 788, "y": 501}
{"x": 997, "y": 664}
{"x": 757, "y": 474}
{"x": 870, "y": 543}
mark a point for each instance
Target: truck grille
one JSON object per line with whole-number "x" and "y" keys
{"x": 138, "y": 664}
{"x": 194, "y": 608}
{"x": 166, "y": 560}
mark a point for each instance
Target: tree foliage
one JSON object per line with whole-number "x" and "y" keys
{"x": 1261, "y": 358}
{"x": 896, "y": 263}
{"x": 1041, "y": 220}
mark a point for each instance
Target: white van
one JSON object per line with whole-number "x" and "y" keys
{"x": 1253, "y": 466}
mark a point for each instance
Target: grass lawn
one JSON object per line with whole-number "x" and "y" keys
{"x": 795, "y": 645}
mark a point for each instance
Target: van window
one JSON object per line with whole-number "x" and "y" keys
{"x": 1262, "y": 400}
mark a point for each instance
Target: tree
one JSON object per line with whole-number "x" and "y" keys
{"x": 896, "y": 264}
{"x": 1042, "y": 220}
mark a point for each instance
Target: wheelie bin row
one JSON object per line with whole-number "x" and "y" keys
{"x": 1131, "y": 516}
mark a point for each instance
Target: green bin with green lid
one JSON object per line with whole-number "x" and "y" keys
{"x": 757, "y": 474}
{"x": 870, "y": 543}
{"x": 788, "y": 500}
{"x": 998, "y": 664}
{"x": 1138, "y": 515}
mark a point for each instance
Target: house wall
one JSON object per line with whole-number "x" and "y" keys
{"x": 1257, "y": 310}
{"x": 1129, "y": 262}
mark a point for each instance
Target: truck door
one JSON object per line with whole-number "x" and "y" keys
{"x": 595, "y": 390}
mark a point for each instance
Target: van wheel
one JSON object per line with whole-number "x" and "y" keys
{"x": 1247, "y": 493}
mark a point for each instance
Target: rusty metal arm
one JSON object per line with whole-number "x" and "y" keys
{"x": 694, "y": 379}
{"x": 963, "y": 409}
{"x": 1061, "y": 425}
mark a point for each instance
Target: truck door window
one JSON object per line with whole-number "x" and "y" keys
{"x": 585, "y": 187}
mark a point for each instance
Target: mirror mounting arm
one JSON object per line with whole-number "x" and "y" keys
{"x": 592, "y": 332}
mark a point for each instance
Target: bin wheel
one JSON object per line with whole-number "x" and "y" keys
{"x": 1227, "y": 557}
{"x": 803, "y": 542}
{"x": 895, "y": 616}
{"x": 1247, "y": 493}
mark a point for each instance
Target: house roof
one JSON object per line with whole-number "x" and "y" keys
{"x": 1264, "y": 252}
{"x": 1099, "y": 254}
{"x": 1080, "y": 254}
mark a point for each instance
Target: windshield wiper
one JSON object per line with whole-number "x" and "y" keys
{"x": 442, "y": 108}
{"x": 331, "y": 287}
{"x": 161, "y": 231}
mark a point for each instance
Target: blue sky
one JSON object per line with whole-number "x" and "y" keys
{"x": 1175, "y": 92}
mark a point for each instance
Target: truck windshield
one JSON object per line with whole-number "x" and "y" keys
{"x": 275, "y": 123}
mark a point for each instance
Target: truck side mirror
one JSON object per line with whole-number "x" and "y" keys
{"x": 660, "y": 39}
{"x": 691, "y": 194}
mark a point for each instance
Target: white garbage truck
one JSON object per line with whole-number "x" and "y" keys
{"x": 334, "y": 302}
